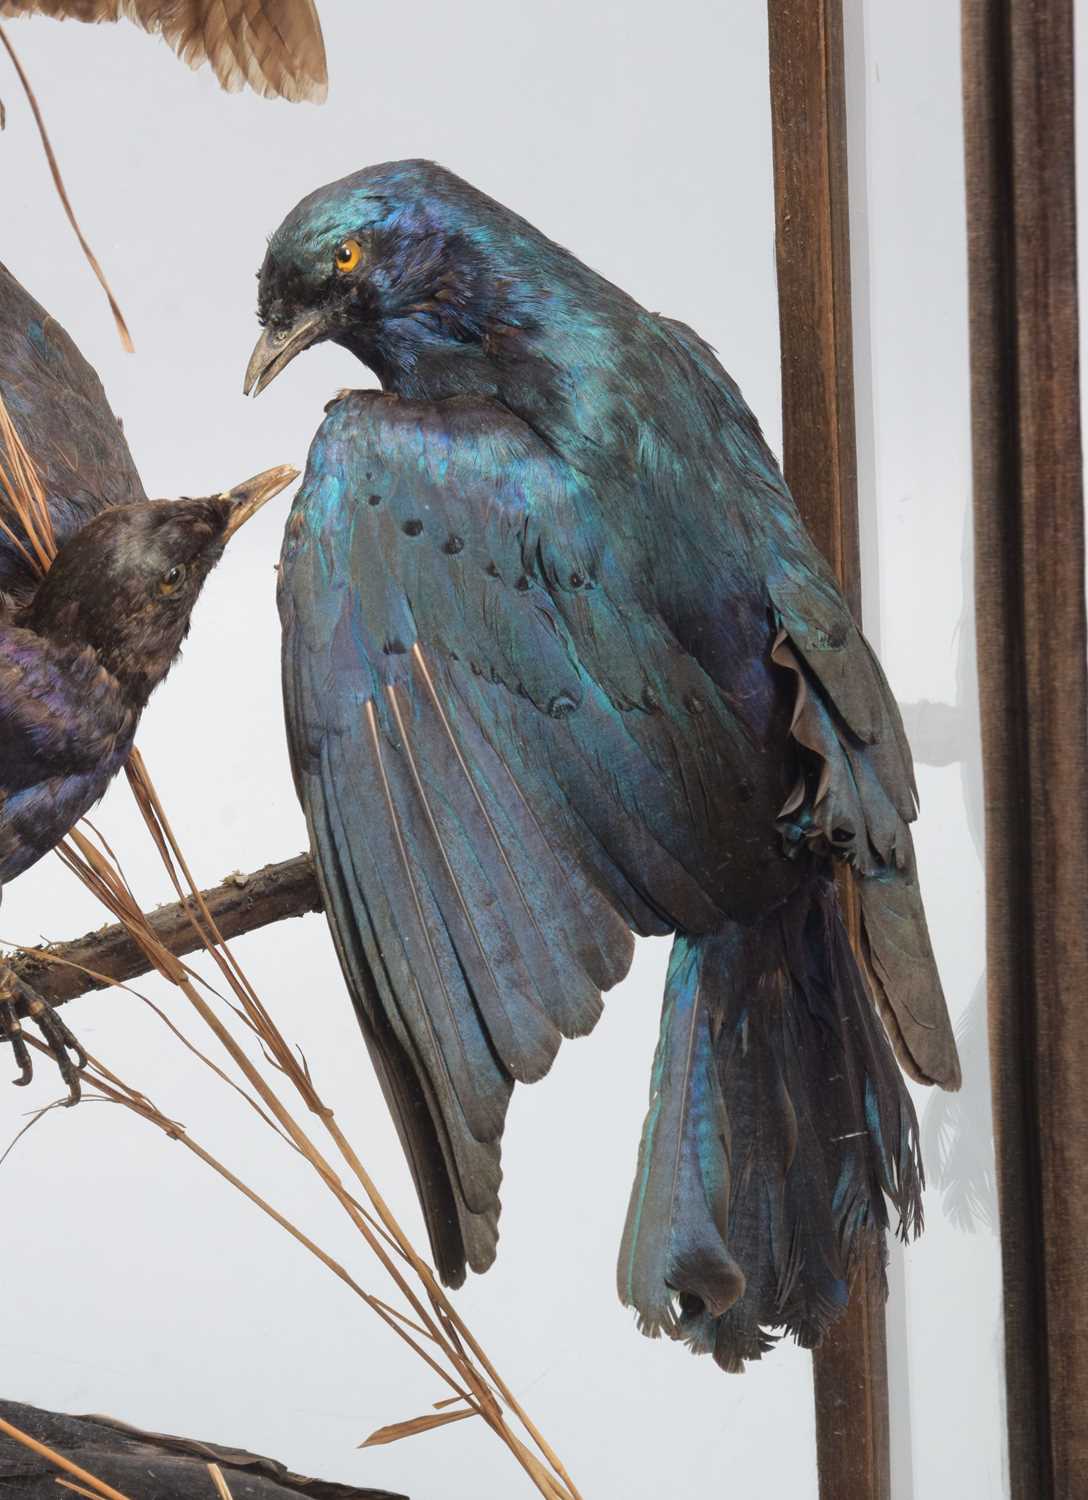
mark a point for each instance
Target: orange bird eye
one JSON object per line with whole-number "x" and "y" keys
{"x": 348, "y": 255}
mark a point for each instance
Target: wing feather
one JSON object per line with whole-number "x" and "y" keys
{"x": 864, "y": 799}
{"x": 507, "y": 764}
{"x": 274, "y": 46}
{"x": 471, "y": 936}
{"x": 60, "y": 411}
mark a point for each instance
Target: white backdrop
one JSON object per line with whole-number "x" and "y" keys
{"x": 640, "y": 137}
{"x": 910, "y": 300}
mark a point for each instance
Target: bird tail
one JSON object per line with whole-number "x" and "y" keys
{"x": 779, "y": 1126}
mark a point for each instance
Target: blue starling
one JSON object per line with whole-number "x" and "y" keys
{"x": 560, "y": 665}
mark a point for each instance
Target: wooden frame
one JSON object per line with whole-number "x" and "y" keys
{"x": 1029, "y": 594}
{"x": 812, "y": 242}
{"x": 1032, "y": 643}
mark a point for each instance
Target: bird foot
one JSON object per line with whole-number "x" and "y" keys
{"x": 63, "y": 1047}
{"x": 801, "y": 831}
{"x": 798, "y": 832}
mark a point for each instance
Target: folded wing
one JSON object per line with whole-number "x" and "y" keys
{"x": 64, "y": 733}
{"x": 58, "y": 407}
{"x": 862, "y": 800}
{"x": 469, "y": 904}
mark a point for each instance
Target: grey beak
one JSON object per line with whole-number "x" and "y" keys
{"x": 246, "y": 499}
{"x": 276, "y": 348}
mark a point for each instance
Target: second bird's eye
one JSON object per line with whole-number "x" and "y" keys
{"x": 348, "y": 255}
{"x": 172, "y": 580}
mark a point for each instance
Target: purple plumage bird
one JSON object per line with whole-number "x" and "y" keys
{"x": 78, "y": 663}
{"x": 82, "y": 649}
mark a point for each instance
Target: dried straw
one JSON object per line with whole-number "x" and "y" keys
{"x": 427, "y": 1322}
{"x": 23, "y": 506}
{"x": 222, "y": 1489}
{"x": 98, "y": 1488}
{"x": 58, "y": 183}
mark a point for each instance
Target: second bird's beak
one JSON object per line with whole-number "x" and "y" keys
{"x": 246, "y": 499}
{"x": 276, "y": 348}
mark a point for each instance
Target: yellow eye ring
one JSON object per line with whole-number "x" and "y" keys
{"x": 348, "y": 255}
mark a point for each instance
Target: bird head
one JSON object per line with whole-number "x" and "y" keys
{"x": 396, "y": 263}
{"x": 126, "y": 583}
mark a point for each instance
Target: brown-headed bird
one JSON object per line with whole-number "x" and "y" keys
{"x": 82, "y": 649}
{"x": 78, "y": 663}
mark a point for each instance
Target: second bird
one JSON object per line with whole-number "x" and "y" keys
{"x": 78, "y": 662}
{"x": 561, "y": 664}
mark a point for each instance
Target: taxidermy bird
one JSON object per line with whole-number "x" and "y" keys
{"x": 60, "y": 413}
{"x": 78, "y": 664}
{"x": 81, "y": 650}
{"x": 147, "y": 1465}
{"x": 561, "y": 665}
{"x": 274, "y": 46}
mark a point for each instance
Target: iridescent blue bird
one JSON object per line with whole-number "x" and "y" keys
{"x": 562, "y": 665}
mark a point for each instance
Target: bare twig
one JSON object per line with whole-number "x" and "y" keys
{"x": 240, "y": 904}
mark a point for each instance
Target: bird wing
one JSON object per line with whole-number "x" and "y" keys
{"x": 274, "y": 46}
{"x": 503, "y": 770}
{"x": 859, "y": 795}
{"x": 60, "y": 411}
{"x": 865, "y": 796}
{"x": 64, "y": 733}
{"x": 149, "y": 1465}
{"x": 60, "y": 710}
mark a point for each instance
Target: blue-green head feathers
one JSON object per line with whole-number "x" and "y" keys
{"x": 401, "y": 259}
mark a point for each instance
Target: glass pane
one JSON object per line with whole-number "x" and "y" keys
{"x": 147, "y": 1288}
{"x": 910, "y": 305}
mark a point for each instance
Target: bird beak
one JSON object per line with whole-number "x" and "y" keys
{"x": 276, "y": 348}
{"x": 246, "y": 499}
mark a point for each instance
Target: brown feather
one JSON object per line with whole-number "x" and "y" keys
{"x": 274, "y": 46}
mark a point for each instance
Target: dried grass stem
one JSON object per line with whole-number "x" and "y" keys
{"x": 431, "y": 1325}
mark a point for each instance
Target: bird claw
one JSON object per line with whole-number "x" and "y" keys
{"x": 64, "y": 1048}
{"x": 798, "y": 833}
{"x": 14, "y": 1034}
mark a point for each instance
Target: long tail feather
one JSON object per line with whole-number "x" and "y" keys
{"x": 675, "y": 1239}
{"x": 778, "y": 1126}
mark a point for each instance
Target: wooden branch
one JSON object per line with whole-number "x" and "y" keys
{"x": 1020, "y": 132}
{"x": 242, "y": 903}
{"x": 812, "y": 244}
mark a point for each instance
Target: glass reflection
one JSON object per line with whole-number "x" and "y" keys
{"x": 911, "y": 370}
